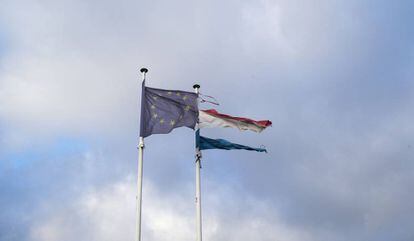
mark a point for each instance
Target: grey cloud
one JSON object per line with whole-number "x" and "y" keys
{"x": 334, "y": 77}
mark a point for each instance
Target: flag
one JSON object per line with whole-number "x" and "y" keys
{"x": 212, "y": 118}
{"x": 204, "y": 143}
{"x": 164, "y": 110}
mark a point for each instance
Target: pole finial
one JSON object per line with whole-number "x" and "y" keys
{"x": 144, "y": 70}
{"x": 196, "y": 86}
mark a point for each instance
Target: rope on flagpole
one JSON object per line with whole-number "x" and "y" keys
{"x": 204, "y": 100}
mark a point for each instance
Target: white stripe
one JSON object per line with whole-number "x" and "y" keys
{"x": 207, "y": 120}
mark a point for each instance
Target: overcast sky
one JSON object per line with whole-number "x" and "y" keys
{"x": 335, "y": 78}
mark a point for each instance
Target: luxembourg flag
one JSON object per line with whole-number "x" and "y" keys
{"x": 212, "y": 118}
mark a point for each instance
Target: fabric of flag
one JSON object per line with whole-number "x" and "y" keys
{"x": 204, "y": 143}
{"x": 164, "y": 110}
{"x": 212, "y": 118}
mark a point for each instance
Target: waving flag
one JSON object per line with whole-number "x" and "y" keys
{"x": 164, "y": 110}
{"x": 204, "y": 143}
{"x": 212, "y": 118}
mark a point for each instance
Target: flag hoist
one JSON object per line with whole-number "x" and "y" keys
{"x": 198, "y": 182}
{"x": 161, "y": 112}
{"x": 140, "y": 166}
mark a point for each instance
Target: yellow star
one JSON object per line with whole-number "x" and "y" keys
{"x": 152, "y": 106}
{"x": 169, "y": 92}
{"x": 155, "y": 97}
{"x": 161, "y": 121}
{"x": 185, "y": 97}
{"x": 187, "y": 108}
{"x": 155, "y": 115}
{"x": 172, "y": 122}
{"x": 178, "y": 94}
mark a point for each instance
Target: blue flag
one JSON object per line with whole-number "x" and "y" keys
{"x": 164, "y": 110}
{"x": 204, "y": 143}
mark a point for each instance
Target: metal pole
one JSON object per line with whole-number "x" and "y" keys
{"x": 198, "y": 184}
{"x": 139, "y": 179}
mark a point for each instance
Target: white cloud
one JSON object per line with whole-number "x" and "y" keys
{"x": 108, "y": 213}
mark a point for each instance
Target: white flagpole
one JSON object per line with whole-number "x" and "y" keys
{"x": 198, "y": 184}
{"x": 139, "y": 179}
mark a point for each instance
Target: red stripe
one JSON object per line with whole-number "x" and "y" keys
{"x": 262, "y": 123}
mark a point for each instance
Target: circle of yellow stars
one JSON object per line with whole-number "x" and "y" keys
{"x": 172, "y": 122}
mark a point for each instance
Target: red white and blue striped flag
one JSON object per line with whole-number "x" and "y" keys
{"x": 212, "y": 118}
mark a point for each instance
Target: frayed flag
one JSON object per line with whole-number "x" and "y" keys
{"x": 204, "y": 143}
{"x": 212, "y": 118}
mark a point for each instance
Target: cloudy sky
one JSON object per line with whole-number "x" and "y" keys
{"x": 335, "y": 77}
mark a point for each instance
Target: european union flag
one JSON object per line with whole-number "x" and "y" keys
{"x": 164, "y": 110}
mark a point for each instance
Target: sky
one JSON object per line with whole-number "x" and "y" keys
{"x": 335, "y": 78}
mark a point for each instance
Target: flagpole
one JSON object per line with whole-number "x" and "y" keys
{"x": 198, "y": 183}
{"x": 139, "y": 178}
